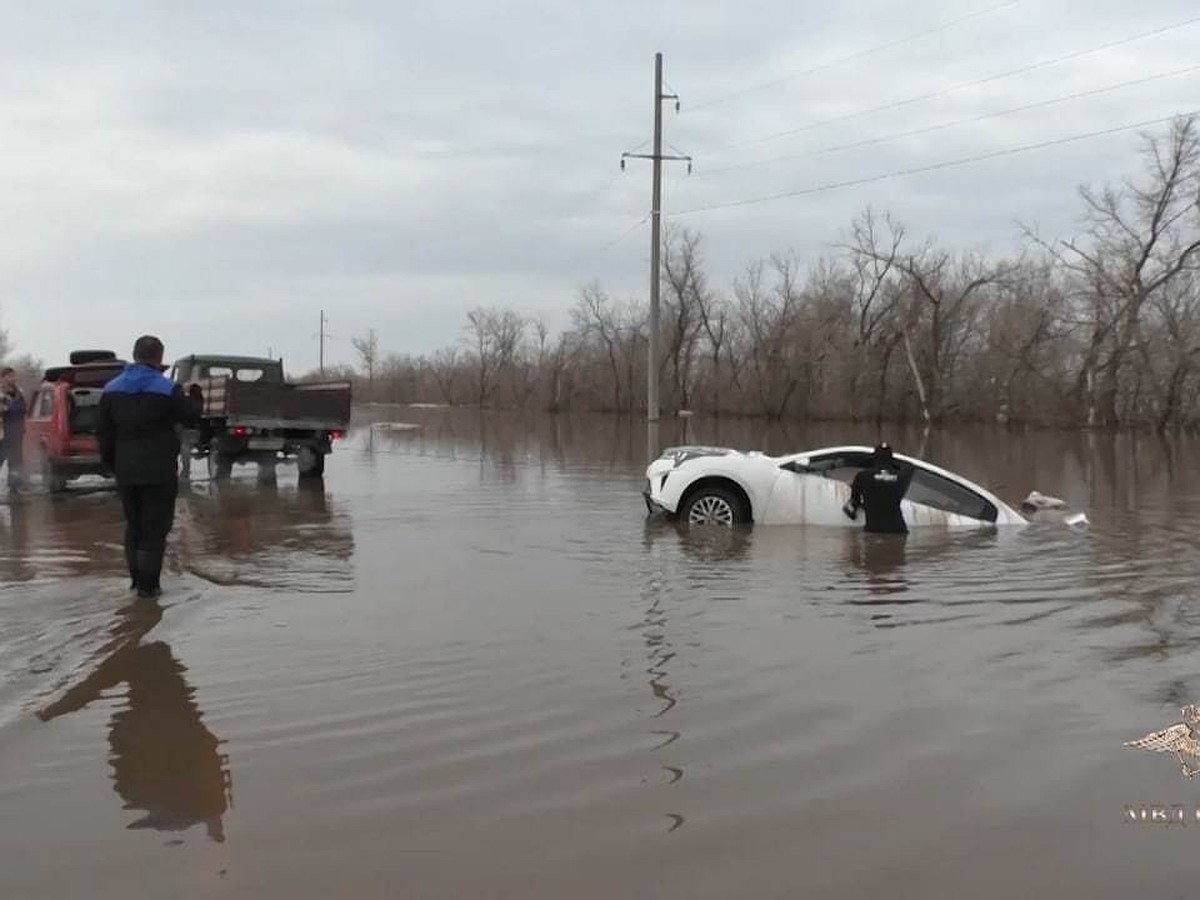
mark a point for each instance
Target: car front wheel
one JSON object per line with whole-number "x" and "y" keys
{"x": 715, "y": 506}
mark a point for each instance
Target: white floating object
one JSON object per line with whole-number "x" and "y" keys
{"x": 1037, "y": 501}
{"x": 1078, "y": 520}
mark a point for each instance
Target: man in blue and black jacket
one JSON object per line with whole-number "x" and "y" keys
{"x": 139, "y": 445}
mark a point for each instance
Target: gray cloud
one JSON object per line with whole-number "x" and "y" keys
{"x": 221, "y": 173}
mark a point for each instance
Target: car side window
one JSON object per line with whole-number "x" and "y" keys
{"x": 45, "y": 405}
{"x": 941, "y": 493}
{"x": 838, "y": 466}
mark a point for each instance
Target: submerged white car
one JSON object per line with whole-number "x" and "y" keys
{"x": 720, "y": 486}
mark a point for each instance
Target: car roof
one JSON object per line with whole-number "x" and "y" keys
{"x": 927, "y": 466}
{"x": 55, "y": 373}
{"x": 223, "y": 358}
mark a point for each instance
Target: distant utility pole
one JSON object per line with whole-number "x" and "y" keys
{"x": 321, "y": 335}
{"x": 655, "y": 231}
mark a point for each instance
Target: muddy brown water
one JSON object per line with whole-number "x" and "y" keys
{"x": 468, "y": 666}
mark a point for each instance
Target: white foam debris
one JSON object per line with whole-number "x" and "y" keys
{"x": 1039, "y": 501}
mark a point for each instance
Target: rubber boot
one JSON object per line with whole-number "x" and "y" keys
{"x": 149, "y": 567}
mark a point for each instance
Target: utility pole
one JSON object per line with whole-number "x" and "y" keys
{"x": 321, "y": 342}
{"x": 655, "y": 232}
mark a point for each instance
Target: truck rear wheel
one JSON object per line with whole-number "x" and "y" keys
{"x": 220, "y": 466}
{"x": 310, "y": 462}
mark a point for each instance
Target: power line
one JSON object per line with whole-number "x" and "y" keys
{"x": 588, "y": 256}
{"x": 867, "y": 142}
{"x": 930, "y": 168}
{"x": 908, "y": 101}
{"x": 887, "y": 45}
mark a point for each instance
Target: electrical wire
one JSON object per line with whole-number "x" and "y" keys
{"x": 916, "y": 170}
{"x": 589, "y": 256}
{"x": 867, "y": 142}
{"x": 942, "y": 92}
{"x": 877, "y": 48}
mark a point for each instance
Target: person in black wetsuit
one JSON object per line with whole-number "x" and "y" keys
{"x": 139, "y": 410}
{"x": 879, "y": 491}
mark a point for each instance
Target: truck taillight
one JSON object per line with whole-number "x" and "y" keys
{"x": 240, "y": 431}
{"x": 336, "y": 435}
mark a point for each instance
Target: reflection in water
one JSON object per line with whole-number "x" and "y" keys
{"x": 661, "y": 651}
{"x": 265, "y": 535}
{"x": 14, "y": 541}
{"x": 166, "y": 763}
{"x": 881, "y": 557}
{"x": 70, "y": 535}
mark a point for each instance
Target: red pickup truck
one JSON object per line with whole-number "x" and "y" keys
{"x": 64, "y": 416}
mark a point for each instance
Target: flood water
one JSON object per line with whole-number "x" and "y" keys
{"x": 469, "y": 666}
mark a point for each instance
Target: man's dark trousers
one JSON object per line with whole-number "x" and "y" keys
{"x": 149, "y": 514}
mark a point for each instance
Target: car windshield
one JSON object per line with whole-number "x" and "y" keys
{"x": 85, "y": 411}
{"x": 246, "y": 374}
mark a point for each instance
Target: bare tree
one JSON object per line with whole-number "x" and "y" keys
{"x": 1140, "y": 237}
{"x": 444, "y": 367}
{"x": 367, "y": 348}
{"x": 1104, "y": 328}
{"x": 878, "y": 288}
{"x": 687, "y": 288}
{"x": 595, "y": 319}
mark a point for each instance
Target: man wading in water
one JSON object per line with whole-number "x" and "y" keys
{"x": 139, "y": 445}
{"x": 879, "y": 490}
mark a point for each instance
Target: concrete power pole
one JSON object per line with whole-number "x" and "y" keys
{"x": 652, "y": 373}
{"x": 321, "y": 335}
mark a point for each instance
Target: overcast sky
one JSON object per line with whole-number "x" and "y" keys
{"x": 217, "y": 173}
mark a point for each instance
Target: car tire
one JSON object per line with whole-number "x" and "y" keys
{"x": 720, "y": 506}
{"x": 310, "y": 462}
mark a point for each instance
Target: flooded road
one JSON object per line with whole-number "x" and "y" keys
{"x": 468, "y": 666}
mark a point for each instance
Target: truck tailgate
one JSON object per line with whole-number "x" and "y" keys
{"x": 320, "y": 405}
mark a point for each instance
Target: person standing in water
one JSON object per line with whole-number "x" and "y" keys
{"x": 139, "y": 445}
{"x": 879, "y": 491}
{"x": 12, "y": 427}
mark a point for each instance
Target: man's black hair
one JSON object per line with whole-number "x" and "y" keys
{"x": 147, "y": 349}
{"x": 883, "y": 454}
{"x": 7, "y": 370}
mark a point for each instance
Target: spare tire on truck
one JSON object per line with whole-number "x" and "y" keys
{"x": 83, "y": 357}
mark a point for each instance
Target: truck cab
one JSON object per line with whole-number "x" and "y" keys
{"x": 64, "y": 418}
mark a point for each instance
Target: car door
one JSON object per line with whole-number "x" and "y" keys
{"x": 39, "y": 422}
{"x": 822, "y": 485}
{"x": 812, "y": 489}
